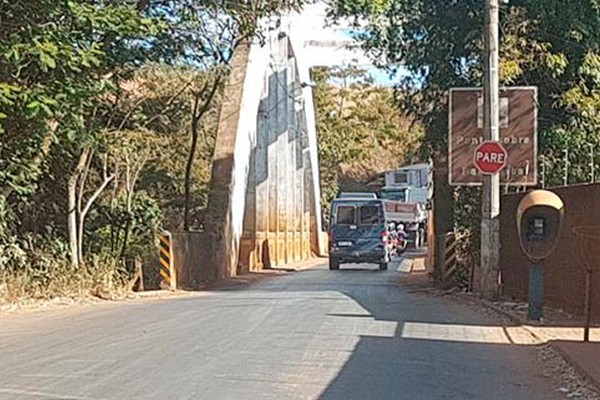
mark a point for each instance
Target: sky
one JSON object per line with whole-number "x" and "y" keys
{"x": 333, "y": 45}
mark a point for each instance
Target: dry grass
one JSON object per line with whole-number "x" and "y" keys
{"x": 97, "y": 279}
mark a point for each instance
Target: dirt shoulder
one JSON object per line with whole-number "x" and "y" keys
{"x": 38, "y": 305}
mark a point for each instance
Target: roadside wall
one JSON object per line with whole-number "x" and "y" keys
{"x": 564, "y": 279}
{"x": 192, "y": 257}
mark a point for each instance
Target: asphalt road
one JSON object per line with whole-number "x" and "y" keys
{"x": 315, "y": 334}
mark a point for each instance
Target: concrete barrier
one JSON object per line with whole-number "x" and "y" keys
{"x": 192, "y": 259}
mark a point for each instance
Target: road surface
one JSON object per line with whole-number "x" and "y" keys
{"x": 315, "y": 334}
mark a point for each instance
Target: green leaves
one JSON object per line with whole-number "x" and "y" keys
{"x": 551, "y": 44}
{"x": 590, "y": 67}
{"x": 360, "y": 131}
{"x": 47, "y": 52}
{"x": 557, "y": 64}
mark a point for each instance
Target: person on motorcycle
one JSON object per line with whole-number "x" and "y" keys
{"x": 392, "y": 238}
{"x": 401, "y": 235}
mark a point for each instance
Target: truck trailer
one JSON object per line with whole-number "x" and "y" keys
{"x": 413, "y": 186}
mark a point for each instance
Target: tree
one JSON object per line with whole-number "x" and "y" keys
{"x": 549, "y": 44}
{"x": 360, "y": 131}
{"x": 207, "y": 33}
{"x": 57, "y": 72}
{"x": 81, "y": 117}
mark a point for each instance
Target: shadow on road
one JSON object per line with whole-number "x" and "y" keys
{"x": 409, "y": 345}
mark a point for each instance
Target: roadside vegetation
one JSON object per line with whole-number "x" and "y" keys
{"x": 436, "y": 45}
{"x": 108, "y": 113}
{"x": 361, "y": 132}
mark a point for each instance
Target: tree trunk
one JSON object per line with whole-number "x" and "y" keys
{"x": 86, "y": 209}
{"x": 80, "y": 215}
{"x": 196, "y": 117}
{"x": 132, "y": 174}
{"x": 80, "y": 237}
{"x": 72, "y": 207}
{"x": 126, "y": 235}
{"x": 188, "y": 166}
{"x": 72, "y": 220}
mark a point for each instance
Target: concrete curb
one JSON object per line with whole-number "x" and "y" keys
{"x": 572, "y": 361}
{"x": 159, "y": 293}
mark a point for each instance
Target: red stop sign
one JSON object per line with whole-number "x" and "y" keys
{"x": 490, "y": 157}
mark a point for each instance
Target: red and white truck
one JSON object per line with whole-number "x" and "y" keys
{"x": 407, "y": 192}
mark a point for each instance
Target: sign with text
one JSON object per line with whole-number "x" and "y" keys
{"x": 518, "y": 135}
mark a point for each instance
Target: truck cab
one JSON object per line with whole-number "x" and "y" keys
{"x": 394, "y": 193}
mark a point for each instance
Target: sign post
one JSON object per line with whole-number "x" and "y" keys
{"x": 490, "y": 194}
{"x": 508, "y": 157}
{"x": 535, "y": 311}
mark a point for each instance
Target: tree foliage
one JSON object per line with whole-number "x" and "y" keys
{"x": 436, "y": 45}
{"x": 96, "y": 103}
{"x": 361, "y": 133}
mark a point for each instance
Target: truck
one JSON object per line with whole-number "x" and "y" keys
{"x": 413, "y": 186}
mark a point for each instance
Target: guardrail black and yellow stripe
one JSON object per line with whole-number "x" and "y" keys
{"x": 449, "y": 254}
{"x": 166, "y": 259}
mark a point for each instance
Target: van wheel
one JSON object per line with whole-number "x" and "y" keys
{"x": 333, "y": 264}
{"x": 383, "y": 266}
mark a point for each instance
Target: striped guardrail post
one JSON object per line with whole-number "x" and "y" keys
{"x": 449, "y": 254}
{"x": 167, "y": 269}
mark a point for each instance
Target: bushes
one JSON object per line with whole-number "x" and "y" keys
{"x": 38, "y": 268}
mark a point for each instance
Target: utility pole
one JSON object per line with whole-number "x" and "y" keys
{"x": 490, "y": 223}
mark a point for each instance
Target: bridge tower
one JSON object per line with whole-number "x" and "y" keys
{"x": 264, "y": 204}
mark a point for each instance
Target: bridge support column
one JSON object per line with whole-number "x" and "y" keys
{"x": 264, "y": 208}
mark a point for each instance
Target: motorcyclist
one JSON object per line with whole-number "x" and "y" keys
{"x": 392, "y": 238}
{"x": 401, "y": 237}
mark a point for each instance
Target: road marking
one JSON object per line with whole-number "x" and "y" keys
{"x": 46, "y": 394}
{"x": 465, "y": 333}
{"x": 405, "y": 265}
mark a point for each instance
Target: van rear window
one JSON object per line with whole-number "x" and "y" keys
{"x": 369, "y": 215}
{"x": 346, "y": 215}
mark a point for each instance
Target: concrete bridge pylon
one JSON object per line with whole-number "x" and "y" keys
{"x": 264, "y": 205}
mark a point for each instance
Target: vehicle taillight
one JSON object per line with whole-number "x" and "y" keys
{"x": 331, "y": 237}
